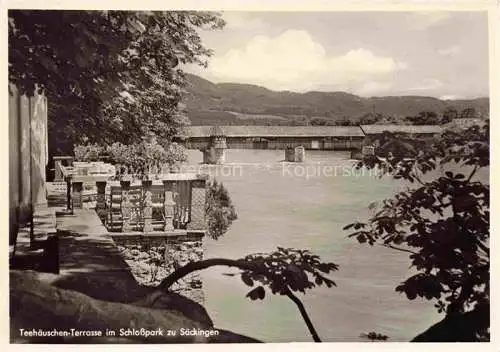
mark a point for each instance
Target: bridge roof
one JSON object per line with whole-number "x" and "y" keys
{"x": 424, "y": 129}
{"x": 275, "y": 131}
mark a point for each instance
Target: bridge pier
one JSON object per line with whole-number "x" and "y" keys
{"x": 365, "y": 151}
{"x": 215, "y": 153}
{"x": 297, "y": 154}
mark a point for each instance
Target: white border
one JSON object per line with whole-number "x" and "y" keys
{"x": 491, "y": 6}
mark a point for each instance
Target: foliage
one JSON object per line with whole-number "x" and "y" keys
{"x": 88, "y": 153}
{"x": 284, "y": 271}
{"x": 372, "y": 335}
{"x": 345, "y": 121}
{"x": 433, "y": 118}
{"x": 319, "y": 121}
{"x": 425, "y": 118}
{"x": 468, "y": 113}
{"x": 219, "y": 209}
{"x": 109, "y": 75}
{"x": 139, "y": 159}
{"x": 449, "y": 114}
{"x": 442, "y": 221}
{"x": 369, "y": 119}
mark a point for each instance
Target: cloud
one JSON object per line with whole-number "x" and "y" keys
{"x": 450, "y": 51}
{"x": 294, "y": 61}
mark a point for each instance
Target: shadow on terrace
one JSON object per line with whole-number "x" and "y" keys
{"x": 67, "y": 272}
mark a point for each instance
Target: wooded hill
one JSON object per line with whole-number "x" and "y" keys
{"x": 245, "y": 104}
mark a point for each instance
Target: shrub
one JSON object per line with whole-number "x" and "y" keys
{"x": 91, "y": 152}
{"x": 219, "y": 209}
{"x": 136, "y": 160}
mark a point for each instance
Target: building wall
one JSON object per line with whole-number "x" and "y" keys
{"x": 14, "y": 165}
{"x": 28, "y": 154}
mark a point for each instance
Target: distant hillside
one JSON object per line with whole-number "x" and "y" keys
{"x": 240, "y": 104}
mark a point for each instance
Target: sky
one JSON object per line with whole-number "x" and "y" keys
{"x": 439, "y": 54}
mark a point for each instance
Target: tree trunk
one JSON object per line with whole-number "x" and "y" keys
{"x": 243, "y": 265}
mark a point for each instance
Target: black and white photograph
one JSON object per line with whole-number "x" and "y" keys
{"x": 187, "y": 176}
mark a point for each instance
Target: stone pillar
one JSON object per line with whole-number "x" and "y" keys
{"x": 77, "y": 195}
{"x": 39, "y": 149}
{"x": 148, "y": 206}
{"x": 356, "y": 154}
{"x": 126, "y": 206}
{"x": 58, "y": 176}
{"x": 220, "y": 156}
{"x": 289, "y": 154}
{"x": 25, "y": 205}
{"x": 169, "y": 205}
{"x": 368, "y": 150}
{"x": 101, "y": 201}
{"x": 198, "y": 197}
{"x": 207, "y": 155}
{"x": 69, "y": 201}
{"x": 220, "y": 146}
{"x": 300, "y": 154}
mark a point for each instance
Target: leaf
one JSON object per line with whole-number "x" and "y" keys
{"x": 361, "y": 238}
{"x": 323, "y": 267}
{"x": 329, "y": 283}
{"x": 358, "y": 225}
{"x": 245, "y": 277}
{"x": 256, "y": 293}
{"x": 411, "y": 295}
{"x": 347, "y": 227}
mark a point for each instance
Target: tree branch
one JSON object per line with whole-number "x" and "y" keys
{"x": 304, "y": 314}
{"x": 399, "y": 249}
{"x": 472, "y": 173}
{"x": 243, "y": 265}
{"x": 416, "y": 176}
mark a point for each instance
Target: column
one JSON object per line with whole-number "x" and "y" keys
{"x": 169, "y": 205}
{"x": 101, "y": 201}
{"x": 198, "y": 196}
{"x": 148, "y": 206}
{"x": 77, "y": 194}
{"x": 39, "y": 152}
{"x": 69, "y": 201}
{"x": 126, "y": 211}
{"x": 58, "y": 176}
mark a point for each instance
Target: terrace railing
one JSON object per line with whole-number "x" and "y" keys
{"x": 59, "y": 166}
{"x": 170, "y": 202}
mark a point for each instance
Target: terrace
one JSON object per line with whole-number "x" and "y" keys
{"x": 162, "y": 203}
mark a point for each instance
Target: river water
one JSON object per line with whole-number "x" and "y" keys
{"x": 306, "y": 206}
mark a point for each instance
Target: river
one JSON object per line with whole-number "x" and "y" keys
{"x": 306, "y": 206}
